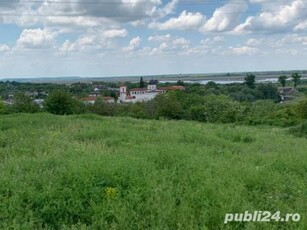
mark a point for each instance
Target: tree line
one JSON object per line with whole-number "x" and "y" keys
{"x": 248, "y": 103}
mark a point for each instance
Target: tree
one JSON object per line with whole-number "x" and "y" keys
{"x": 24, "y": 104}
{"x": 180, "y": 82}
{"x": 301, "y": 109}
{"x": 61, "y": 103}
{"x": 221, "y": 109}
{"x": 142, "y": 85}
{"x": 249, "y": 80}
{"x": 167, "y": 105}
{"x": 296, "y": 77}
{"x": 269, "y": 91}
{"x": 282, "y": 79}
{"x": 211, "y": 84}
{"x": 3, "y": 108}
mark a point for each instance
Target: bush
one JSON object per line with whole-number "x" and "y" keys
{"x": 300, "y": 130}
{"x": 168, "y": 106}
{"x": 222, "y": 109}
{"x": 301, "y": 109}
{"x": 24, "y": 104}
{"x": 3, "y": 108}
{"x": 105, "y": 109}
{"x": 61, "y": 103}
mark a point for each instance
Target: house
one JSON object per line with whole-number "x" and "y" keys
{"x": 90, "y": 100}
{"x": 144, "y": 94}
{"x": 39, "y": 102}
{"x": 288, "y": 93}
{"x": 94, "y": 94}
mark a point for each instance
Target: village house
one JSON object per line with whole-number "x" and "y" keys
{"x": 143, "y": 94}
{"x": 92, "y": 99}
{"x": 288, "y": 93}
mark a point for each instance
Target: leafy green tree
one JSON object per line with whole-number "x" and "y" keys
{"x": 106, "y": 109}
{"x": 142, "y": 84}
{"x": 222, "y": 109}
{"x": 3, "y": 108}
{"x": 211, "y": 84}
{"x": 296, "y": 77}
{"x": 282, "y": 79}
{"x": 24, "y": 104}
{"x": 137, "y": 110}
{"x": 197, "y": 113}
{"x": 61, "y": 103}
{"x": 180, "y": 82}
{"x": 269, "y": 91}
{"x": 301, "y": 109}
{"x": 167, "y": 105}
{"x": 249, "y": 80}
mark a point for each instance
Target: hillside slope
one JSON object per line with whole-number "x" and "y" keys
{"x": 79, "y": 172}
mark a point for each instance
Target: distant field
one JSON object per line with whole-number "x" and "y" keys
{"x": 91, "y": 172}
{"x": 239, "y": 76}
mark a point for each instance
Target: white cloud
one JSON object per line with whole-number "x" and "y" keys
{"x": 82, "y": 13}
{"x": 36, "y": 38}
{"x": 93, "y": 39}
{"x": 115, "y": 33}
{"x": 254, "y": 41}
{"x": 4, "y": 48}
{"x": 244, "y": 50}
{"x": 226, "y": 17}
{"x": 284, "y": 16}
{"x": 181, "y": 43}
{"x": 168, "y": 9}
{"x": 185, "y": 21}
{"x": 301, "y": 26}
{"x": 134, "y": 44}
{"x": 169, "y": 45}
{"x": 80, "y": 44}
{"x": 159, "y": 38}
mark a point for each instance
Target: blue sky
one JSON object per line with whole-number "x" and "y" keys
{"x": 144, "y": 37}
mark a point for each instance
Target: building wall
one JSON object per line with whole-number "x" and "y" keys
{"x": 146, "y": 96}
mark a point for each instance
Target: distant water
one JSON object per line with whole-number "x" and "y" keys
{"x": 225, "y": 82}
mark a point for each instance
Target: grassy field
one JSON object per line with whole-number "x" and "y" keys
{"x": 91, "y": 172}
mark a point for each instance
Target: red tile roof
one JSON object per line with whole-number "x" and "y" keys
{"x": 95, "y": 98}
{"x": 130, "y": 97}
{"x": 138, "y": 89}
{"x": 89, "y": 99}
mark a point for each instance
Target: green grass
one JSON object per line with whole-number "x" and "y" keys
{"x": 91, "y": 172}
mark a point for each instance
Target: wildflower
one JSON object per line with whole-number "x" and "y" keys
{"x": 110, "y": 192}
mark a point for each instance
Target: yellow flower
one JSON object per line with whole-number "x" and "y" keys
{"x": 110, "y": 192}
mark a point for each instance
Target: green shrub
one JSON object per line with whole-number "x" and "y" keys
{"x": 300, "y": 130}
{"x": 301, "y": 109}
{"x": 222, "y": 109}
{"x": 61, "y": 103}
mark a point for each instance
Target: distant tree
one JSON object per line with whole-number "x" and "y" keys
{"x": 301, "y": 109}
{"x": 142, "y": 85}
{"x": 61, "y": 103}
{"x": 211, "y": 84}
{"x": 180, "y": 82}
{"x": 168, "y": 105}
{"x": 249, "y": 80}
{"x": 269, "y": 91}
{"x": 104, "y": 108}
{"x": 221, "y": 109}
{"x": 3, "y": 108}
{"x": 24, "y": 104}
{"x": 296, "y": 77}
{"x": 282, "y": 79}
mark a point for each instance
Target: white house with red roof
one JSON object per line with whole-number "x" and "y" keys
{"x": 143, "y": 94}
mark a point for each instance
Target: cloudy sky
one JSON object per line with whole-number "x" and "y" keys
{"x": 92, "y": 38}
